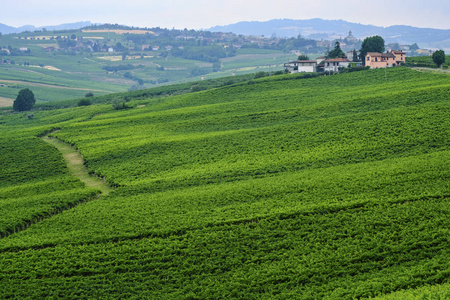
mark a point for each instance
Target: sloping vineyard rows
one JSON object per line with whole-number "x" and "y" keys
{"x": 34, "y": 183}
{"x": 217, "y": 156}
{"x": 137, "y": 211}
{"x": 25, "y": 159}
{"x": 327, "y": 188}
{"x": 358, "y": 252}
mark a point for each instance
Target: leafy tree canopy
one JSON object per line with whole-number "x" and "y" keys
{"x": 438, "y": 57}
{"x": 24, "y": 101}
{"x": 303, "y": 57}
{"x": 371, "y": 44}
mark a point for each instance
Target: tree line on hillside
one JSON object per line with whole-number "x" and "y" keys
{"x": 370, "y": 44}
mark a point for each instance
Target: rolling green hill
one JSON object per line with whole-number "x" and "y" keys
{"x": 282, "y": 187}
{"x": 61, "y": 65}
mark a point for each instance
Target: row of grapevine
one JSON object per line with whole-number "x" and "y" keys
{"x": 334, "y": 187}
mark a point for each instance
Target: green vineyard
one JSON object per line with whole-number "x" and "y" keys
{"x": 283, "y": 187}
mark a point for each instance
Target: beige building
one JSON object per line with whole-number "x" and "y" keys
{"x": 384, "y": 60}
{"x": 399, "y": 56}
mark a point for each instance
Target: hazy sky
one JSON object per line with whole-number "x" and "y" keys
{"x": 197, "y": 14}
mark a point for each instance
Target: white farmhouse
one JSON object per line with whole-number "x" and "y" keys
{"x": 301, "y": 66}
{"x": 334, "y": 64}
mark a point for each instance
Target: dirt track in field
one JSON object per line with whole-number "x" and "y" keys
{"x": 432, "y": 70}
{"x": 5, "y": 102}
{"x": 76, "y": 165}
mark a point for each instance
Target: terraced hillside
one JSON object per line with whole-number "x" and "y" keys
{"x": 278, "y": 188}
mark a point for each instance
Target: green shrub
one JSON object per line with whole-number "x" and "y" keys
{"x": 84, "y": 102}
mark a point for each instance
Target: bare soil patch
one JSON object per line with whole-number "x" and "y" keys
{"x": 5, "y": 102}
{"x": 52, "y": 68}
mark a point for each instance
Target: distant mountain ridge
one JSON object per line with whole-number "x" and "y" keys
{"x": 318, "y": 29}
{"x": 330, "y": 29}
{"x": 5, "y": 29}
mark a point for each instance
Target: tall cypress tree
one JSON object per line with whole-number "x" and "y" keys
{"x": 336, "y": 52}
{"x": 355, "y": 55}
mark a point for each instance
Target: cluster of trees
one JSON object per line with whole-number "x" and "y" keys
{"x": 66, "y": 43}
{"x": 287, "y": 45}
{"x": 118, "y": 68}
{"x": 208, "y": 54}
{"x": 10, "y": 51}
{"x": 370, "y": 44}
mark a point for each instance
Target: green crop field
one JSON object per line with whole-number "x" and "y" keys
{"x": 426, "y": 61}
{"x": 282, "y": 187}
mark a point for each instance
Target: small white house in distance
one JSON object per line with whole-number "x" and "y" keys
{"x": 334, "y": 64}
{"x": 301, "y": 66}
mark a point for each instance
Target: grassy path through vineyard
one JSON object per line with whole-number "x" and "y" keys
{"x": 75, "y": 164}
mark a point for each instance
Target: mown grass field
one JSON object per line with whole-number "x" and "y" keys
{"x": 282, "y": 187}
